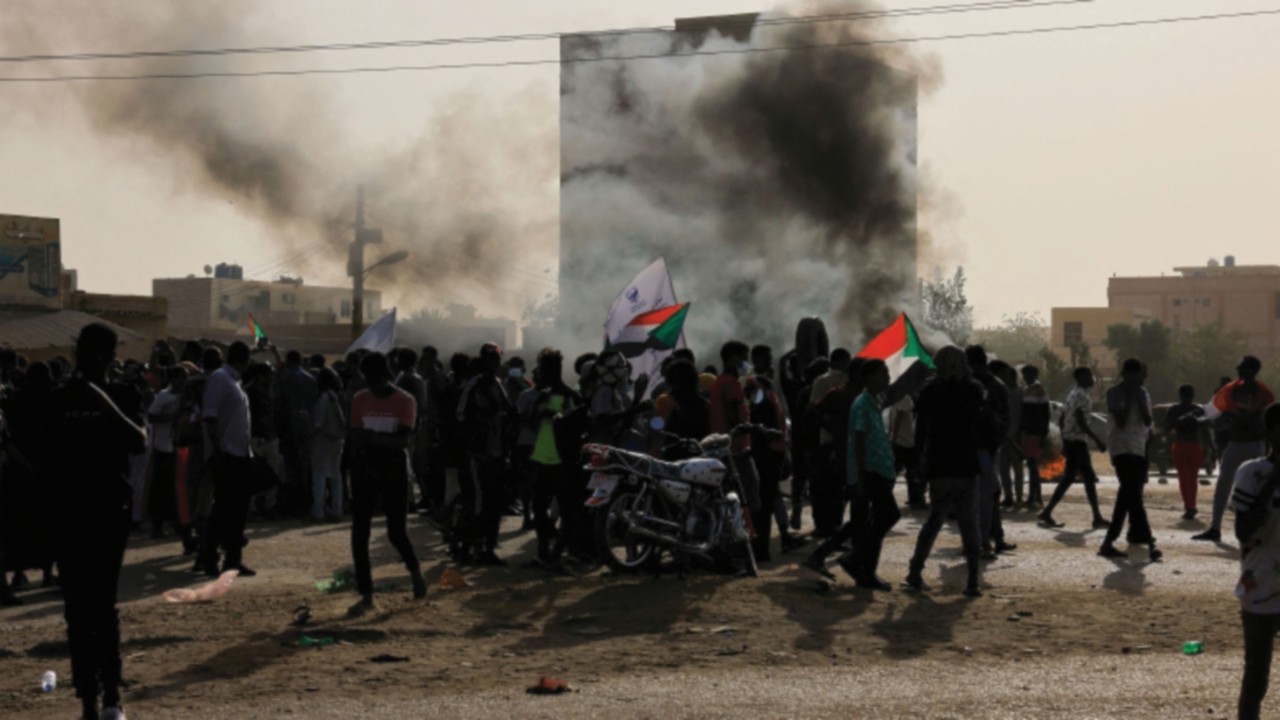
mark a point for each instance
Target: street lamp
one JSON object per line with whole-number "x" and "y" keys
{"x": 395, "y": 257}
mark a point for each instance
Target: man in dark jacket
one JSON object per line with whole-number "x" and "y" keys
{"x": 90, "y": 444}
{"x": 947, "y": 415}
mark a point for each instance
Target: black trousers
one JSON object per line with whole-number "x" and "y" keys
{"x": 162, "y": 503}
{"x": 826, "y": 492}
{"x": 90, "y": 555}
{"x": 769, "y": 469}
{"x": 906, "y": 463}
{"x": 435, "y": 468}
{"x": 1079, "y": 464}
{"x": 1131, "y": 471}
{"x": 872, "y": 514}
{"x": 1259, "y": 642}
{"x": 551, "y": 482}
{"x": 488, "y": 476}
{"x": 381, "y": 474}
{"x": 231, "y": 497}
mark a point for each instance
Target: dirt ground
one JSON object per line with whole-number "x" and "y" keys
{"x": 1060, "y": 633}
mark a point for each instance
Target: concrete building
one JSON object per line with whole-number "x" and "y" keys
{"x": 1072, "y": 328}
{"x": 1243, "y": 297}
{"x": 41, "y": 309}
{"x": 223, "y": 301}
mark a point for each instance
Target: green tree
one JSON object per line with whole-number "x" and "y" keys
{"x": 1055, "y": 374}
{"x": 1017, "y": 339}
{"x": 1151, "y": 342}
{"x": 946, "y": 307}
{"x": 1207, "y": 352}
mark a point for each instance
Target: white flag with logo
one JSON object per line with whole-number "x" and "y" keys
{"x": 649, "y": 291}
{"x": 378, "y": 337}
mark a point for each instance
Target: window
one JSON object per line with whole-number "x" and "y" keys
{"x": 287, "y": 298}
{"x": 346, "y": 308}
{"x": 1072, "y": 333}
{"x": 1207, "y": 302}
{"x": 1177, "y": 302}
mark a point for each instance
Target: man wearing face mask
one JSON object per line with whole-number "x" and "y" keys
{"x": 613, "y": 414}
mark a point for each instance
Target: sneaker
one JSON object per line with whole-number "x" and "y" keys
{"x": 1206, "y": 482}
{"x": 363, "y": 606}
{"x": 817, "y": 565}
{"x": 1154, "y": 555}
{"x": 1004, "y": 547}
{"x": 972, "y": 591}
{"x": 1190, "y": 514}
{"x": 112, "y": 713}
{"x": 1101, "y": 524}
{"x": 244, "y": 570}
{"x": 1163, "y": 481}
{"x": 419, "y": 585}
{"x": 914, "y": 582}
{"x": 1111, "y": 551}
{"x": 1210, "y": 535}
{"x": 1007, "y": 504}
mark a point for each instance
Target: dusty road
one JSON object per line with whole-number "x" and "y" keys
{"x": 1092, "y": 637}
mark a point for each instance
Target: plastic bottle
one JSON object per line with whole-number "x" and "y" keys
{"x": 49, "y": 681}
{"x": 1192, "y": 647}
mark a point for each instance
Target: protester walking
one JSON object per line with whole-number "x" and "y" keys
{"x": 1076, "y": 433}
{"x": 1034, "y": 427}
{"x": 1130, "y": 409}
{"x": 947, "y": 416}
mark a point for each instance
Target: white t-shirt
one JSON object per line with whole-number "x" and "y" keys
{"x": 1077, "y": 399}
{"x": 1259, "y": 585}
{"x": 166, "y": 403}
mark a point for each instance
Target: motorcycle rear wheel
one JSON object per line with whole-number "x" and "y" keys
{"x": 619, "y": 552}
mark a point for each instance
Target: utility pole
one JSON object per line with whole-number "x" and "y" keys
{"x": 355, "y": 264}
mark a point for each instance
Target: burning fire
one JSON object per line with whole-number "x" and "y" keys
{"x": 1053, "y": 468}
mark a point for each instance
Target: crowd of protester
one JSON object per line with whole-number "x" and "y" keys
{"x": 200, "y": 439}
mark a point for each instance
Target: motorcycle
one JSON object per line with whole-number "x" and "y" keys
{"x": 694, "y": 506}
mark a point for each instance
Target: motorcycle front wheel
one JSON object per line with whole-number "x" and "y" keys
{"x": 620, "y": 552}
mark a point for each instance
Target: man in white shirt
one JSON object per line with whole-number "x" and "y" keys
{"x": 1130, "y": 409}
{"x": 1075, "y": 448}
{"x": 226, "y": 416}
{"x": 163, "y": 417}
{"x": 1253, "y": 498}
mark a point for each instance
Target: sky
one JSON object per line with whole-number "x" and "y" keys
{"x": 1051, "y": 162}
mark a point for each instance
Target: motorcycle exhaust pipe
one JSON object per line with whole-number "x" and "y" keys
{"x": 667, "y": 540}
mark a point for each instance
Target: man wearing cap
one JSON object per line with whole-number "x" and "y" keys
{"x": 1241, "y": 403}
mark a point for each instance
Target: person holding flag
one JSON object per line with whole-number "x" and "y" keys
{"x": 1241, "y": 403}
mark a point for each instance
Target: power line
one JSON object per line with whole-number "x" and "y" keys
{"x": 490, "y": 39}
{"x": 655, "y": 56}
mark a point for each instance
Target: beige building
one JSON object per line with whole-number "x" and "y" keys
{"x": 224, "y": 302}
{"x": 41, "y": 309}
{"x": 1069, "y": 328}
{"x": 1244, "y": 297}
